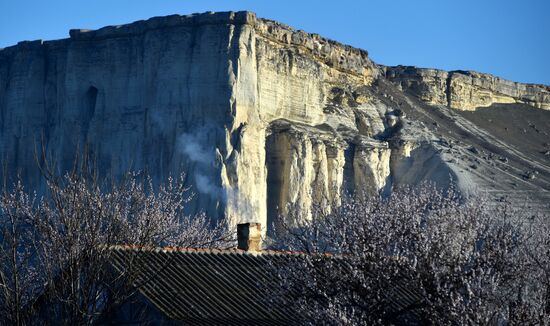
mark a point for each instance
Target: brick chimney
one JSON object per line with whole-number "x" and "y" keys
{"x": 249, "y": 236}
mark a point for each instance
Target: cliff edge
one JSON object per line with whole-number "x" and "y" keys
{"x": 266, "y": 121}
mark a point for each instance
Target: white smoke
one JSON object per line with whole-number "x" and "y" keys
{"x": 193, "y": 146}
{"x": 206, "y": 186}
{"x": 240, "y": 204}
{"x": 197, "y": 147}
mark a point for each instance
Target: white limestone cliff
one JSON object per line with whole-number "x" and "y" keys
{"x": 466, "y": 90}
{"x": 264, "y": 119}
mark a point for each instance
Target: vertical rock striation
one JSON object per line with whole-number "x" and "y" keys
{"x": 265, "y": 120}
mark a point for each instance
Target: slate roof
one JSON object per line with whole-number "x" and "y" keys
{"x": 208, "y": 286}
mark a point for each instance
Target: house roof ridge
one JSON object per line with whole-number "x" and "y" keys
{"x": 176, "y": 249}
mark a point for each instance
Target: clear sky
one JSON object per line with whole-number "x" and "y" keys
{"x": 507, "y": 38}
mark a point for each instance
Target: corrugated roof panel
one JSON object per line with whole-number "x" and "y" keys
{"x": 204, "y": 286}
{"x": 221, "y": 287}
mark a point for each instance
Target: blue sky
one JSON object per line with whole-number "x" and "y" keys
{"x": 507, "y": 38}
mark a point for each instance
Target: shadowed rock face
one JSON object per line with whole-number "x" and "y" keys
{"x": 265, "y": 120}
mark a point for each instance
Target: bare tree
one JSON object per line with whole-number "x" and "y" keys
{"x": 61, "y": 244}
{"x": 19, "y": 279}
{"x": 420, "y": 256}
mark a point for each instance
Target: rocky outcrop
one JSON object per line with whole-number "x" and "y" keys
{"x": 466, "y": 90}
{"x": 205, "y": 94}
{"x": 267, "y": 122}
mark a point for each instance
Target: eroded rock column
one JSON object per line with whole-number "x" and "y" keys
{"x": 371, "y": 166}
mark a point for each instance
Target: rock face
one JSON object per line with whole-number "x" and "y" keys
{"x": 466, "y": 90}
{"x": 265, "y": 120}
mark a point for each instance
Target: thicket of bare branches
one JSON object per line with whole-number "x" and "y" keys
{"x": 19, "y": 279}
{"x": 421, "y": 256}
{"x": 55, "y": 249}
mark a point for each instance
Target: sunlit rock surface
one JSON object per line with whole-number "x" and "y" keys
{"x": 265, "y": 120}
{"x": 466, "y": 90}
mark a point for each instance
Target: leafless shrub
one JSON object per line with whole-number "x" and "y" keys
{"x": 421, "y": 256}
{"x": 55, "y": 251}
{"x": 19, "y": 278}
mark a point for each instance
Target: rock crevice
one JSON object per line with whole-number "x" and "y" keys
{"x": 264, "y": 119}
